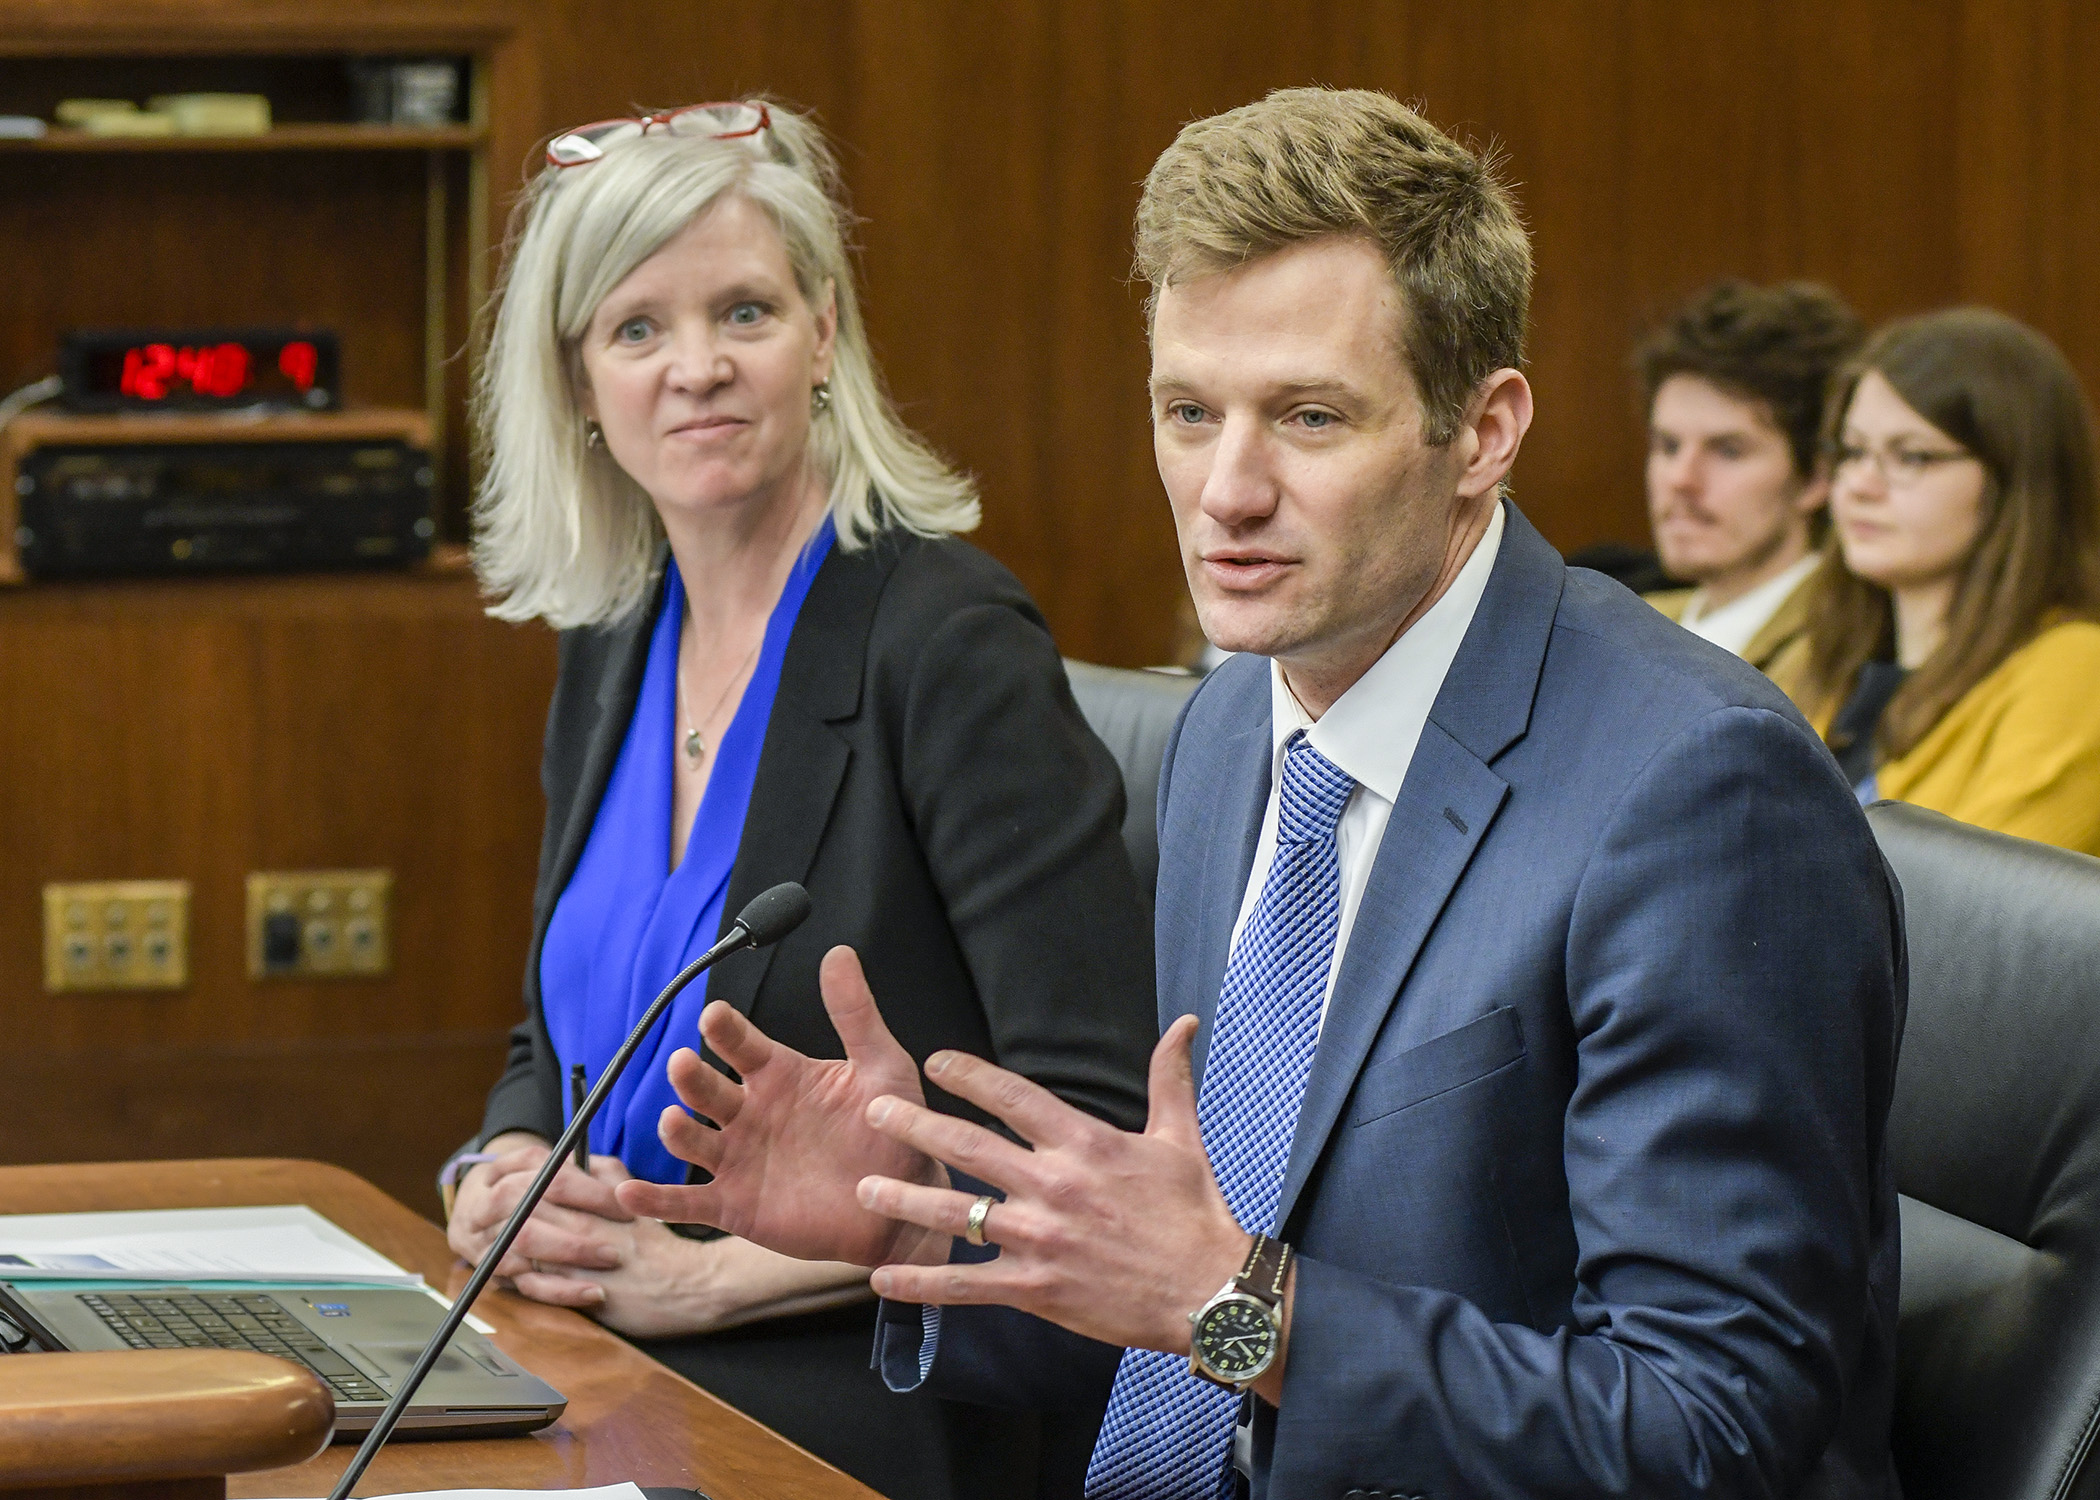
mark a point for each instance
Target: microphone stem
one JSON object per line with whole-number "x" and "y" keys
{"x": 739, "y": 936}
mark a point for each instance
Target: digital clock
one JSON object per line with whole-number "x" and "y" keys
{"x": 209, "y": 369}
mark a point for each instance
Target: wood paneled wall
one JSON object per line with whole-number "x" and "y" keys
{"x": 1911, "y": 154}
{"x": 199, "y": 730}
{"x": 205, "y": 728}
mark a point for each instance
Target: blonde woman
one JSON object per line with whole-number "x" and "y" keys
{"x": 1954, "y": 632}
{"x": 777, "y": 663}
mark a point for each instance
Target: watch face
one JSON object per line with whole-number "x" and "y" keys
{"x": 1235, "y": 1339}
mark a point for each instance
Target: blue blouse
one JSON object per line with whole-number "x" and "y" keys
{"x": 626, "y": 922}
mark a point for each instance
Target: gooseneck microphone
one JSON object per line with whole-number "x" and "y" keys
{"x": 771, "y": 916}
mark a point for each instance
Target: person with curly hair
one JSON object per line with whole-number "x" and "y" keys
{"x": 1734, "y": 381}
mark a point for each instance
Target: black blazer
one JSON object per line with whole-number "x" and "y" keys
{"x": 927, "y": 776}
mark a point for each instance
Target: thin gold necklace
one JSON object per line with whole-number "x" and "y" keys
{"x": 695, "y": 747}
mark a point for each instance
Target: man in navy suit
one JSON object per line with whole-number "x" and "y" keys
{"x": 1530, "y": 982}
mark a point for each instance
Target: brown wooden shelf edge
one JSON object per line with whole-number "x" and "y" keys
{"x": 446, "y": 560}
{"x": 354, "y": 423}
{"x": 278, "y": 138}
{"x": 156, "y": 1414}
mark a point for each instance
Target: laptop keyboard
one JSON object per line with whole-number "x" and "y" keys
{"x": 228, "y": 1320}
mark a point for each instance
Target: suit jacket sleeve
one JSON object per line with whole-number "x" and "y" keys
{"x": 528, "y": 1094}
{"x": 1018, "y": 811}
{"x": 1735, "y": 1012}
{"x": 988, "y": 1355}
{"x": 525, "y": 1097}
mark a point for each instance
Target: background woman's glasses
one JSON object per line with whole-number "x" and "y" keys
{"x": 1900, "y": 467}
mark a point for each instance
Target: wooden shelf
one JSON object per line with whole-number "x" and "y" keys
{"x": 34, "y": 429}
{"x": 278, "y": 138}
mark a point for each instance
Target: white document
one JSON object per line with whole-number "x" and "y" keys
{"x": 280, "y": 1243}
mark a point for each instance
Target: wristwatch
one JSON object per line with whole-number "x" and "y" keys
{"x": 1234, "y": 1336}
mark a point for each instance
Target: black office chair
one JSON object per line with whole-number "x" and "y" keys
{"x": 1995, "y": 1132}
{"x": 1133, "y": 712}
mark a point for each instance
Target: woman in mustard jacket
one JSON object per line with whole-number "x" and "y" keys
{"x": 1954, "y": 630}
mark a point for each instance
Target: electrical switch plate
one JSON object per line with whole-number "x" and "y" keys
{"x": 307, "y": 924}
{"x": 117, "y": 935}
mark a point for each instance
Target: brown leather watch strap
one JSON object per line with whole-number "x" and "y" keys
{"x": 1268, "y": 1262}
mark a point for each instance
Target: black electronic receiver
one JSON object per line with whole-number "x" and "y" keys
{"x": 248, "y": 507}
{"x": 130, "y": 496}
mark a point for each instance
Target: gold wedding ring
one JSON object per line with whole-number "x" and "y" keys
{"x": 973, "y": 1227}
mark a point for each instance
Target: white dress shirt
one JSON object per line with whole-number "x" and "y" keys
{"x": 1370, "y": 733}
{"x": 1735, "y": 624}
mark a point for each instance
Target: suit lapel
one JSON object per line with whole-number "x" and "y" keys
{"x": 1445, "y": 808}
{"x": 804, "y": 760}
{"x": 1443, "y": 812}
{"x": 802, "y": 767}
{"x": 626, "y": 651}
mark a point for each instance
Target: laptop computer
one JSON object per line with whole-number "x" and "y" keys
{"x": 360, "y": 1341}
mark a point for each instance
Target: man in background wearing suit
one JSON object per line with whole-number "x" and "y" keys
{"x": 1737, "y": 484}
{"x": 1529, "y": 978}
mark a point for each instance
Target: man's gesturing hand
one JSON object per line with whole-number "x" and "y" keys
{"x": 790, "y": 1142}
{"x": 1112, "y": 1235}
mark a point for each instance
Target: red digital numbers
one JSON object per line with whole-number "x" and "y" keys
{"x": 147, "y": 371}
{"x": 297, "y": 362}
{"x": 153, "y": 372}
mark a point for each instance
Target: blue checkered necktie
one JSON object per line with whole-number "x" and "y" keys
{"x": 1167, "y": 1434}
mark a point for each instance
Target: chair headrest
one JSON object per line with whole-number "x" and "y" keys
{"x": 1133, "y": 713}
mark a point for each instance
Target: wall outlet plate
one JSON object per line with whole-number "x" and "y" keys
{"x": 309, "y": 924}
{"x": 117, "y": 935}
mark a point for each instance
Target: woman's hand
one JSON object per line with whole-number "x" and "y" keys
{"x": 664, "y": 1284}
{"x": 580, "y": 1249}
{"x": 791, "y": 1142}
{"x": 560, "y": 1230}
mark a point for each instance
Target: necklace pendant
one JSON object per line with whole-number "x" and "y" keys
{"x": 695, "y": 747}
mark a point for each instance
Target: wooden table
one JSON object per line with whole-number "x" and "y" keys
{"x": 628, "y": 1416}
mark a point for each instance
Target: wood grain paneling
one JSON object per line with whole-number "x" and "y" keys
{"x": 2026, "y": 172}
{"x": 202, "y": 729}
{"x": 1911, "y": 155}
{"x": 218, "y": 240}
{"x": 389, "y": 1107}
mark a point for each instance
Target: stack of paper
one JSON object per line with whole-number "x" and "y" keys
{"x": 281, "y": 1243}
{"x": 214, "y": 114}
